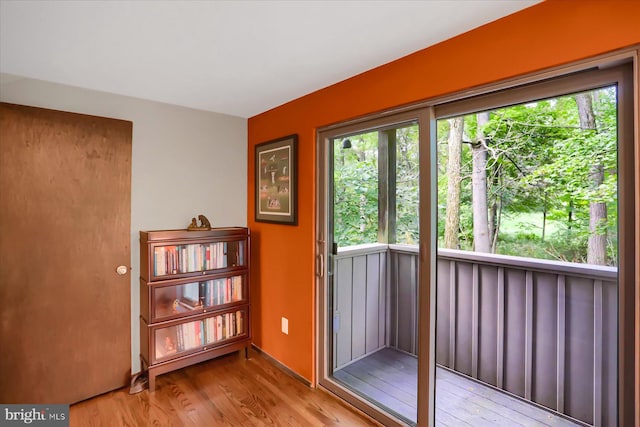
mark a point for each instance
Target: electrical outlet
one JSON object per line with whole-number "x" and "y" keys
{"x": 285, "y": 326}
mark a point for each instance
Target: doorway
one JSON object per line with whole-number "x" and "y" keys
{"x": 433, "y": 265}
{"x": 372, "y": 229}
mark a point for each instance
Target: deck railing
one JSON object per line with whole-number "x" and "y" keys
{"x": 361, "y": 302}
{"x": 542, "y": 330}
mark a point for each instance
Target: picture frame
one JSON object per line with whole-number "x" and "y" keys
{"x": 276, "y": 171}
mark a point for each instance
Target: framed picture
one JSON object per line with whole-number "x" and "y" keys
{"x": 276, "y": 172}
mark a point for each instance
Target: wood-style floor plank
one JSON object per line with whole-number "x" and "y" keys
{"x": 390, "y": 377}
{"x": 227, "y": 391}
{"x": 492, "y": 400}
{"x": 378, "y": 395}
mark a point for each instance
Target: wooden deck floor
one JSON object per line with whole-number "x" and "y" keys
{"x": 390, "y": 378}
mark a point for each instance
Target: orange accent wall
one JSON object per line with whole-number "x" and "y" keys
{"x": 551, "y": 33}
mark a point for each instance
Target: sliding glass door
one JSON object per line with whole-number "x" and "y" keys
{"x": 370, "y": 293}
{"x": 482, "y": 250}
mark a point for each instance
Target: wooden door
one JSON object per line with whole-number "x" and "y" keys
{"x": 65, "y": 197}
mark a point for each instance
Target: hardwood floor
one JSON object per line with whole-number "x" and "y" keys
{"x": 391, "y": 378}
{"x": 228, "y": 391}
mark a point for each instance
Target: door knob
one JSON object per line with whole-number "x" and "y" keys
{"x": 122, "y": 270}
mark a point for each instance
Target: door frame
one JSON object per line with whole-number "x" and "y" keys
{"x": 324, "y": 256}
{"x": 629, "y": 243}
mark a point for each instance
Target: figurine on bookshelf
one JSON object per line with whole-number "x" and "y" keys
{"x": 204, "y": 223}
{"x": 169, "y": 346}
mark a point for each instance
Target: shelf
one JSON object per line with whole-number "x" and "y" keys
{"x": 172, "y": 340}
{"x": 194, "y": 296}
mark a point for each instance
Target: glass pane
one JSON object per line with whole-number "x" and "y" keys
{"x": 223, "y": 291}
{"x": 407, "y": 185}
{"x": 178, "y": 259}
{"x": 224, "y": 326}
{"x": 374, "y": 285}
{"x": 176, "y": 339}
{"x": 176, "y": 300}
{"x": 356, "y": 189}
{"x": 527, "y": 278}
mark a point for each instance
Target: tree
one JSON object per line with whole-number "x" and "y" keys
{"x": 597, "y": 243}
{"x": 452, "y": 219}
{"x": 481, "y": 241}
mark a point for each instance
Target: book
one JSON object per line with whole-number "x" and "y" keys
{"x": 199, "y": 340}
{"x": 186, "y": 342}
{"x": 180, "y": 336}
{"x": 236, "y": 288}
{"x": 172, "y": 260}
{"x": 160, "y": 268}
{"x": 239, "y": 322}
{"x": 208, "y": 336}
{"x": 193, "y": 334}
{"x": 202, "y": 292}
{"x": 219, "y": 292}
{"x": 183, "y": 259}
{"x": 240, "y": 253}
{"x": 229, "y": 324}
{"x": 234, "y": 330}
{"x": 206, "y": 293}
{"x": 219, "y": 328}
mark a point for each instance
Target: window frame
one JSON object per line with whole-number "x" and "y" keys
{"x": 485, "y": 97}
{"x": 593, "y": 78}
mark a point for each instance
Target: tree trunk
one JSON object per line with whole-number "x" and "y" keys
{"x": 570, "y": 215}
{"x": 495, "y": 211}
{"x": 481, "y": 240}
{"x": 452, "y": 222}
{"x": 544, "y": 216}
{"x": 597, "y": 244}
{"x": 496, "y": 231}
{"x": 493, "y": 216}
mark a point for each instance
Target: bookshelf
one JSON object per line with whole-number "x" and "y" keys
{"x": 194, "y": 297}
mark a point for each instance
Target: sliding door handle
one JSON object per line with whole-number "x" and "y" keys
{"x": 320, "y": 265}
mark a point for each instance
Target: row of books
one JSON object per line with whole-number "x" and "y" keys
{"x": 191, "y": 335}
{"x": 212, "y": 292}
{"x": 223, "y": 291}
{"x": 190, "y": 258}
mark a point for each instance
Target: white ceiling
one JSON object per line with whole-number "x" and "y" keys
{"x": 235, "y": 57}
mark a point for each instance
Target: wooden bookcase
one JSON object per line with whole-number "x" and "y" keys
{"x": 194, "y": 297}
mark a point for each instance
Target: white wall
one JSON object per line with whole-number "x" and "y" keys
{"x": 185, "y": 162}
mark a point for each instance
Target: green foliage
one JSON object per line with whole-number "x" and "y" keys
{"x": 539, "y": 165}
{"x": 541, "y": 161}
{"x": 407, "y": 185}
{"x": 356, "y": 190}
